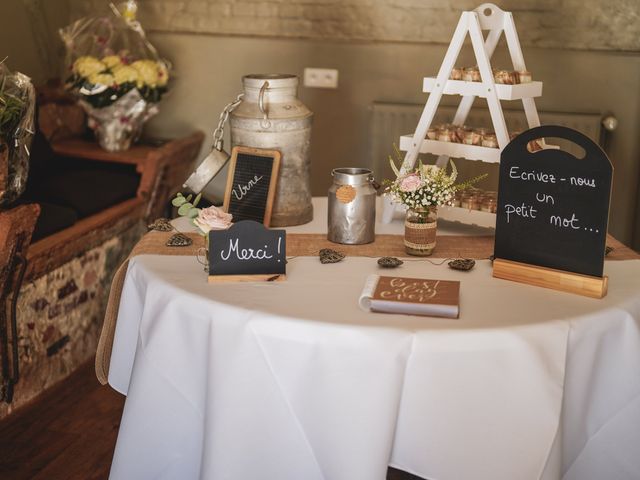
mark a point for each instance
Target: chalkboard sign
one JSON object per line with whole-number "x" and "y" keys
{"x": 247, "y": 250}
{"x": 553, "y": 208}
{"x": 251, "y": 184}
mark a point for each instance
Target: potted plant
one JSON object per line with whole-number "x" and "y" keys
{"x": 17, "y": 107}
{"x": 422, "y": 191}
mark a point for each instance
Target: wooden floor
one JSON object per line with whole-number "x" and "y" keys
{"x": 70, "y": 432}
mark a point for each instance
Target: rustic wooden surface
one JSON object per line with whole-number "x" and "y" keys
{"x": 15, "y": 222}
{"x": 70, "y": 433}
{"x": 59, "y": 121}
{"x": 162, "y": 170}
{"x": 55, "y": 250}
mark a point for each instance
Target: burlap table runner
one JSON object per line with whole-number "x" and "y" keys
{"x": 154, "y": 243}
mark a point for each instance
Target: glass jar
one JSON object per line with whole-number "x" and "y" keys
{"x": 524, "y": 76}
{"x": 456, "y": 73}
{"x": 490, "y": 140}
{"x": 504, "y": 77}
{"x": 444, "y": 134}
{"x": 489, "y": 204}
{"x": 471, "y": 74}
{"x": 471, "y": 200}
{"x": 420, "y": 231}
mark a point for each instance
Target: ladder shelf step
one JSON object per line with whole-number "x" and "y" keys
{"x": 456, "y": 150}
{"x": 468, "y": 217}
{"x": 505, "y": 92}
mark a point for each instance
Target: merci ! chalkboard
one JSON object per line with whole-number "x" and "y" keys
{"x": 247, "y": 251}
{"x": 553, "y": 207}
{"x": 251, "y": 184}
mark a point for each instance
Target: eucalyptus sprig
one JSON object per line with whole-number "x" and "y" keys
{"x": 187, "y": 208}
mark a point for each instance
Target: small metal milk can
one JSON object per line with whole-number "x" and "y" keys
{"x": 352, "y": 206}
{"x": 271, "y": 116}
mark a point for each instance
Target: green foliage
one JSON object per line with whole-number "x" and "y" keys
{"x": 11, "y": 110}
{"x": 185, "y": 207}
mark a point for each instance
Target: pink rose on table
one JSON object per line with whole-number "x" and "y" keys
{"x": 410, "y": 183}
{"x": 212, "y": 218}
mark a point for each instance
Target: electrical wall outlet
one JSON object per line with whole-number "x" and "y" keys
{"x": 320, "y": 78}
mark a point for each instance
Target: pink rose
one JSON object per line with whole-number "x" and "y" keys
{"x": 410, "y": 183}
{"x": 212, "y": 218}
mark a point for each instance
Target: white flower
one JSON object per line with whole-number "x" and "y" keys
{"x": 212, "y": 218}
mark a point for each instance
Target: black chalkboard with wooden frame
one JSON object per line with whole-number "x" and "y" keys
{"x": 553, "y": 209}
{"x": 247, "y": 251}
{"x": 251, "y": 184}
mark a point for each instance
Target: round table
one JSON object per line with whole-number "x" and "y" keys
{"x": 292, "y": 380}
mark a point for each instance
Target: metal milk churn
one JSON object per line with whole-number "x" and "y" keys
{"x": 352, "y": 206}
{"x": 271, "y": 116}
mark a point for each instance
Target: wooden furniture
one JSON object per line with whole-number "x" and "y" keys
{"x": 162, "y": 170}
{"x": 61, "y": 304}
{"x": 16, "y": 228}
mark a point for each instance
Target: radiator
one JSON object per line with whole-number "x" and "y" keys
{"x": 391, "y": 120}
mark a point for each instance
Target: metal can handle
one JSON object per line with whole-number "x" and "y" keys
{"x": 265, "y": 114}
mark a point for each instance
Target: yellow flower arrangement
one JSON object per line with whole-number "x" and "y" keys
{"x": 150, "y": 77}
{"x": 125, "y": 74}
{"x": 112, "y": 61}
{"x": 101, "y": 79}
{"x": 148, "y": 73}
{"x": 86, "y": 66}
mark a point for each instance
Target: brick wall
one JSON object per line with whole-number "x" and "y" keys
{"x": 575, "y": 24}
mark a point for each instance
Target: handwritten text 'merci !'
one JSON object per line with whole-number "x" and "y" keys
{"x": 234, "y": 250}
{"x": 240, "y": 191}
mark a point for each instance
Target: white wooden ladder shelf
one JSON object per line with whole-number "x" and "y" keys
{"x": 485, "y": 17}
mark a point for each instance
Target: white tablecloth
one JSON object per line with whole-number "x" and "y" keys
{"x": 291, "y": 380}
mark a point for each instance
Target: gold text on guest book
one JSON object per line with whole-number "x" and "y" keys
{"x": 420, "y": 291}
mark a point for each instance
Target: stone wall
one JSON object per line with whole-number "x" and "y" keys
{"x": 573, "y": 24}
{"x": 60, "y": 316}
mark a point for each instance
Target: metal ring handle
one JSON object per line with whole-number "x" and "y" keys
{"x": 265, "y": 114}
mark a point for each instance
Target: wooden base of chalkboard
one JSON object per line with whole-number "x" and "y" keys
{"x": 246, "y": 278}
{"x": 595, "y": 287}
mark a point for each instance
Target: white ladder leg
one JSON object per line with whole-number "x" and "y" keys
{"x": 436, "y": 95}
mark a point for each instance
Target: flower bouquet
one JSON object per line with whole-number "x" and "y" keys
{"x": 116, "y": 74}
{"x": 422, "y": 191}
{"x": 17, "y": 107}
{"x": 204, "y": 219}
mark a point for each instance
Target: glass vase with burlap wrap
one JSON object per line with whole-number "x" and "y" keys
{"x": 420, "y": 231}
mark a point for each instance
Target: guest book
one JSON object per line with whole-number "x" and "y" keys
{"x": 411, "y": 296}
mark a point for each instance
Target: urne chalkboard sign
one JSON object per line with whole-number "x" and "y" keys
{"x": 553, "y": 212}
{"x": 247, "y": 251}
{"x": 251, "y": 184}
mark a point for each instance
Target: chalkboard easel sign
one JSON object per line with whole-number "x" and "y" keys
{"x": 251, "y": 184}
{"x": 248, "y": 251}
{"x": 553, "y": 210}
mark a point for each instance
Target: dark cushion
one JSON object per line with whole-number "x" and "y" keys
{"x": 87, "y": 191}
{"x": 52, "y": 219}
